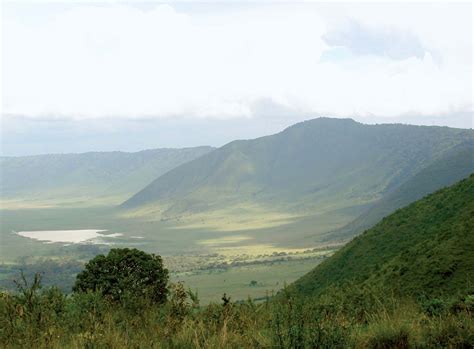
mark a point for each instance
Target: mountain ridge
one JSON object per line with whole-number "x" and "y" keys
{"x": 91, "y": 174}
{"x": 311, "y": 164}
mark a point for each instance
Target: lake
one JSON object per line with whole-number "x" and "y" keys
{"x": 68, "y": 236}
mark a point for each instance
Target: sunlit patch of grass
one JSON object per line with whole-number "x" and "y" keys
{"x": 224, "y": 240}
{"x": 152, "y": 212}
{"x": 59, "y": 202}
{"x": 263, "y": 249}
{"x": 238, "y": 217}
{"x": 23, "y": 204}
{"x": 225, "y": 218}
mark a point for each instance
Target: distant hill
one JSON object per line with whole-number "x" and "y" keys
{"x": 424, "y": 248}
{"x": 315, "y": 166}
{"x": 96, "y": 175}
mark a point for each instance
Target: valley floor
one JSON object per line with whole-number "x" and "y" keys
{"x": 254, "y": 262}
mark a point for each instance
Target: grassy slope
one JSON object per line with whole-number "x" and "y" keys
{"x": 453, "y": 166}
{"x": 323, "y": 163}
{"x": 88, "y": 175}
{"x": 425, "y": 247}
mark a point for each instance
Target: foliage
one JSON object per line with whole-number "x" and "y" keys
{"x": 125, "y": 273}
{"x": 36, "y": 317}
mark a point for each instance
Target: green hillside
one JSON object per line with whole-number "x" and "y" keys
{"x": 424, "y": 248}
{"x": 95, "y": 175}
{"x": 450, "y": 168}
{"x": 321, "y": 162}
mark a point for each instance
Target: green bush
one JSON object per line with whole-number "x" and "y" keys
{"x": 124, "y": 274}
{"x": 434, "y": 307}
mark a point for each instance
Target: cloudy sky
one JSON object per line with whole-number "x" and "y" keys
{"x": 133, "y": 75}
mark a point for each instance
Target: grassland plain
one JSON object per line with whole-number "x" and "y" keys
{"x": 164, "y": 237}
{"x": 237, "y": 283}
{"x": 179, "y": 244}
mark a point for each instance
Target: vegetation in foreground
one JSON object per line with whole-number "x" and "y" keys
{"x": 346, "y": 318}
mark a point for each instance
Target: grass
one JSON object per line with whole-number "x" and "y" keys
{"x": 166, "y": 237}
{"x": 46, "y": 318}
{"x": 242, "y": 217}
{"x": 176, "y": 241}
{"x": 236, "y": 281}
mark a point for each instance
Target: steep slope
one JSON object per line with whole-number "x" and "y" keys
{"x": 424, "y": 248}
{"x": 88, "y": 175}
{"x": 321, "y": 164}
{"x": 450, "y": 168}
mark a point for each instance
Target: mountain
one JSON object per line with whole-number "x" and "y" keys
{"x": 318, "y": 165}
{"x": 424, "y": 248}
{"x": 451, "y": 167}
{"x": 89, "y": 176}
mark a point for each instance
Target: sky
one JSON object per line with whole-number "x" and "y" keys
{"x": 90, "y": 76}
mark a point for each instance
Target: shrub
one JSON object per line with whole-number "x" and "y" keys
{"x": 31, "y": 317}
{"x": 434, "y": 307}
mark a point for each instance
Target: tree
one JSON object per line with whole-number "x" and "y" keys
{"x": 123, "y": 273}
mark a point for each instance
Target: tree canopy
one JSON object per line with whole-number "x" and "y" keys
{"x": 125, "y": 272}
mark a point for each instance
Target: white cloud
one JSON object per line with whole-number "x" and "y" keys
{"x": 366, "y": 41}
{"x": 84, "y": 61}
